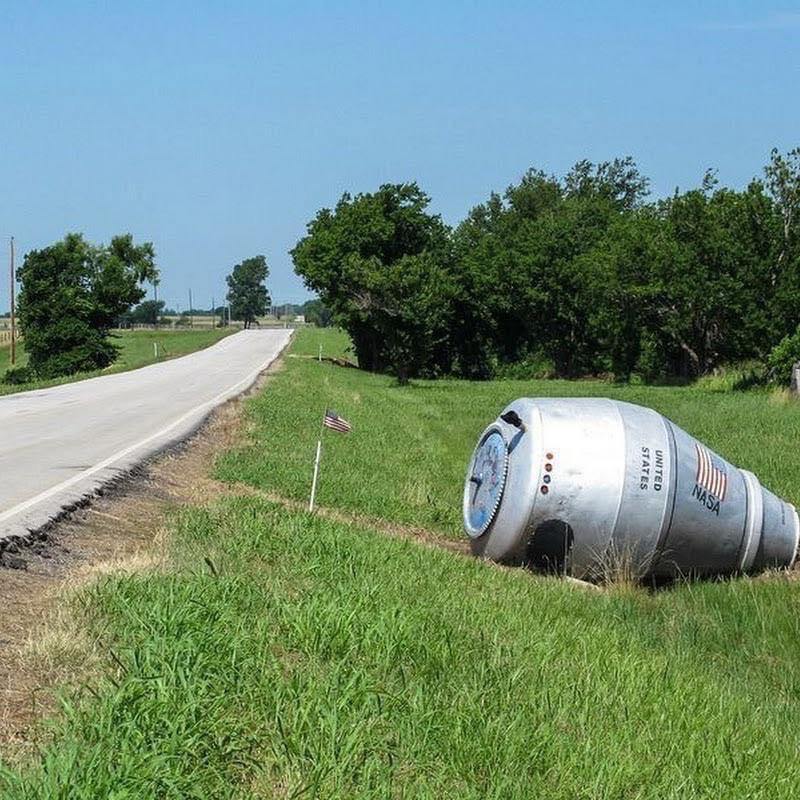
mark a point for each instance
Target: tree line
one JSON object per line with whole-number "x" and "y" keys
{"x": 570, "y": 276}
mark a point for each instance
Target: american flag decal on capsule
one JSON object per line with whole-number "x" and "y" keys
{"x": 711, "y": 473}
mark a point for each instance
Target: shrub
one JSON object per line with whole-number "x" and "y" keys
{"x": 532, "y": 366}
{"x": 734, "y": 377}
{"x": 783, "y": 357}
{"x": 18, "y": 375}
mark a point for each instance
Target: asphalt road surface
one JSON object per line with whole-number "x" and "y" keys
{"x": 61, "y": 444}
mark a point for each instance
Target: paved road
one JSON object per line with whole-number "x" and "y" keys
{"x": 61, "y": 444}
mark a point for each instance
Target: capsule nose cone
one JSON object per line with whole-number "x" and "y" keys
{"x": 779, "y": 534}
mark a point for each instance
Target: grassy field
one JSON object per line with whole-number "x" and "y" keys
{"x": 136, "y": 350}
{"x": 408, "y": 454}
{"x": 288, "y": 655}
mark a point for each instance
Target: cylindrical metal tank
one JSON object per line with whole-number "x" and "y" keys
{"x": 584, "y": 485}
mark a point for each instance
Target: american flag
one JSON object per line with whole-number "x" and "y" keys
{"x": 335, "y": 422}
{"x": 711, "y": 473}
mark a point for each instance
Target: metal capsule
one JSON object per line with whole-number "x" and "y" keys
{"x": 581, "y": 485}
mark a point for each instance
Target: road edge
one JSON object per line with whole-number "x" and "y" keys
{"x": 79, "y": 490}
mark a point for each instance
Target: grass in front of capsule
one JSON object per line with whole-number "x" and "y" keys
{"x": 288, "y": 655}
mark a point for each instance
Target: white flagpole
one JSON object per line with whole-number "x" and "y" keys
{"x": 316, "y": 462}
{"x": 316, "y": 474}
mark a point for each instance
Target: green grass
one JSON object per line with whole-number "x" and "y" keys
{"x": 136, "y": 350}
{"x": 291, "y": 656}
{"x": 408, "y": 453}
{"x": 287, "y": 655}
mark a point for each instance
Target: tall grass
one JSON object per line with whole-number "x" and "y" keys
{"x": 291, "y": 656}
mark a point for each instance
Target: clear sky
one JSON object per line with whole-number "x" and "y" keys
{"x": 217, "y": 130}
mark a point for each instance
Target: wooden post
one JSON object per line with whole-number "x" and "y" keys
{"x": 794, "y": 384}
{"x": 13, "y": 318}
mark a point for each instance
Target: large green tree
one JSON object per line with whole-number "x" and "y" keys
{"x": 717, "y": 298}
{"x": 525, "y": 286}
{"x": 72, "y": 293}
{"x": 782, "y": 179}
{"x": 578, "y": 272}
{"x": 382, "y": 263}
{"x": 247, "y": 290}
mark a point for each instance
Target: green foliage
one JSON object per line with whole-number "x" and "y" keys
{"x": 529, "y": 276}
{"x": 72, "y": 294}
{"x": 18, "y": 376}
{"x": 579, "y": 269}
{"x": 783, "y": 357}
{"x": 247, "y": 292}
{"x": 735, "y": 377}
{"x": 583, "y": 270}
{"x": 317, "y": 313}
{"x": 531, "y": 367}
{"x": 381, "y": 263}
{"x": 147, "y": 312}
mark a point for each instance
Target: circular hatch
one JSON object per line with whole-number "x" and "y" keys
{"x": 485, "y": 482}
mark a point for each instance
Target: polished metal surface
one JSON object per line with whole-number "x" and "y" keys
{"x": 594, "y": 485}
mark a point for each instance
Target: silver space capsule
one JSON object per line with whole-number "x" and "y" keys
{"x": 578, "y": 485}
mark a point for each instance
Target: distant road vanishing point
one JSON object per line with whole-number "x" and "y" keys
{"x": 61, "y": 444}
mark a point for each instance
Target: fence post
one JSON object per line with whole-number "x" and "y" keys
{"x": 794, "y": 384}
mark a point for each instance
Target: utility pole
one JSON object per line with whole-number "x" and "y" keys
{"x": 155, "y": 298}
{"x": 191, "y": 322}
{"x": 213, "y": 313}
{"x": 13, "y": 319}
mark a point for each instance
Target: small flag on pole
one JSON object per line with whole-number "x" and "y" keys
{"x": 333, "y": 421}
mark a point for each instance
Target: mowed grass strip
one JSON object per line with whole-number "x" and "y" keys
{"x": 136, "y": 350}
{"x": 290, "y": 656}
{"x": 407, "y": 455}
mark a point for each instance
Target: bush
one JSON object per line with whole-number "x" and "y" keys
{"x": 783, "y": 357}
{"x": 94, "y": 354}
{"x": 734, "y": 377}
{"x": 533, "y": 366}
{"x": 18, "y": 375}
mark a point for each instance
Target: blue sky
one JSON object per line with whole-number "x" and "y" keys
{"x": 217, "y": 130}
